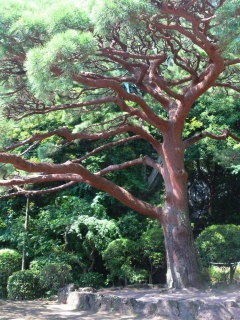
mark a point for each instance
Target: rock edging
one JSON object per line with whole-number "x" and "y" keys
{"x": 173, "y": 309}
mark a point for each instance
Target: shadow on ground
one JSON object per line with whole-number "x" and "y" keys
{"x": 36, "y": 310}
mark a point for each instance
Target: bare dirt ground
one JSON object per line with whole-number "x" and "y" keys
{"x": 37, "y": 309}
{"x": 45, "y": 309}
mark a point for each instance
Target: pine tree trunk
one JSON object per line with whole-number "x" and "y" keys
{"x": 182, "y": 260}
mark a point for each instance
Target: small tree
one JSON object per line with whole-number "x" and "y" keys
{"x": 152, "y": 245}
{"x": 220, "y": 244}
{"x": 95, "y": 235}
{"x": 120, "y": 258}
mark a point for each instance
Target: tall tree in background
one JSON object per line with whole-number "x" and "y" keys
{"x": 137, "y": 67}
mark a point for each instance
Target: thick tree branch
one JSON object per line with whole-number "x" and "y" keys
{"x": 177, "y": 82}
{"x": 143, "y": 75}
{"x": 114, "y": 84}
{"x": 146, "y": 160}
{"x": 147, "y": 114}
{"x": 225, "y": 134}
{"x": 106, "y": 146}
{"x": 75, "y": 172}
{"x": 160, "y": 81}
{"x": 40, "y": 178}
{"x": 48, "y": 109}
{"x": 231, "y": 62}
{"x": 68, "y": 136}
{"x": 226, "y": 85}
{"x": 37, "y": 192}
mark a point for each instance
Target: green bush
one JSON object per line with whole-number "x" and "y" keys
{"x": 219, "y": 244}
{"x": 218, "y": 275}
{"x": 237, "y": 275}
{"x": 61, "y": 257}
{"x": 10, "y": 261}
{"x": 24, "y": 285}
{"x": 205, "y": 276}
{"x": 54, "y": 276}
{"x": 121, "y": 259}
{"x": 40, "y": 262}
{"x": 91, "y": 279}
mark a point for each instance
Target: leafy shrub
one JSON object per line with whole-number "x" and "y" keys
{"x": 60, "y": 257}
{"x": 219, "y": 243}
{"x": 54, "y": 276}
{"x": 24, "y": 285}
{"x": 205, "y": 276}
{"x": 40, "y": 262}
{"x": 237, "y": 275}
{"x": 121, "y": 258}
{"x": 91, "y": 279}
{"x": 217, "y": 274}
{"x": 10, "y": 261}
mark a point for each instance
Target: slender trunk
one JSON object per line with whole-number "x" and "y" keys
{"x": 25, "y": 234}
{"x": 182, "y": 261}
{"x": 232, "y": 271}
{"x": 92, "y": 257}
{"x": 150, "y": 280}
{"x": 68, "y": 227}
{"x": 125, "y": 280}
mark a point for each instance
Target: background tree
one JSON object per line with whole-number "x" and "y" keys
{"x": 132, "y": 70}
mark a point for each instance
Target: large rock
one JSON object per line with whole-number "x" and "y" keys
{"x": 64, "y": 292}
{"x": 168, "y": 309}
{"x": 214, "y": 311}
{"x": 87, "y": 289}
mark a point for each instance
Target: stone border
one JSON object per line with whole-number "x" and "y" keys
{"x": 165, "y": 308}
